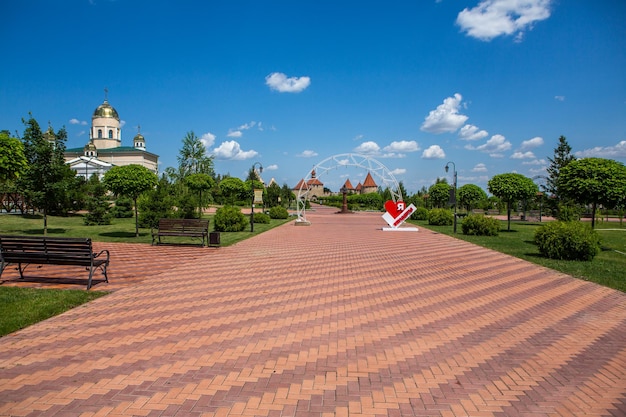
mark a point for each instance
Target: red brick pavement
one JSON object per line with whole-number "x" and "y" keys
{"x": 336, "y": 319}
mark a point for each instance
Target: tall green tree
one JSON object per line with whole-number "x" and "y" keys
{"x": 470, "y": 195}
{"x": 562, "y": 157}
{"x": 286, "y": 195}
{"x": 232, "y": 188}
{"x": 130, "y": 181}
{"x": 273, "y": 195}
{"x": 12, "y": 159}
{"x": 47, "y": 182}
{"x": 439, "y": 194}
{"x": 594, "y": 181}
{"x": 511, "y": 188}
{"x": 192, "y": 157}
{"x": 200, "y": 182}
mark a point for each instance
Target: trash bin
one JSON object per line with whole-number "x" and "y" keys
{"x": 214, "y": 238}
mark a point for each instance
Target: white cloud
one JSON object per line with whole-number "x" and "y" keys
{"x": 559, "y": 98}
{"x": 433, "y": 152}
{"x": 208, "y": 139}
{"x": 368, "y": 147}
{"x": 307, "y": 154}
{"x": 535, "y": 162}
{"x": 494, "y": 146}
{"x": 531, "y": 143}
{"x": 272, "y": 167}
{"x": 280, "y": 82}
{"x": 446, "y": 117}
{"x": 493, "y": 18}
{"x": 399, "y": 171}
{"x": 471, "y": 132}
{"x": 77, "y": 122}
{"x": 523, "y": 155}
{"x": 402, "y": 146}
{"x": 617, "y": 151}
{"x": 247, "y": 126}
{"x": 232, "y": 150}
{"x": 234, "y": 134}
{"x": 480, "y": 168}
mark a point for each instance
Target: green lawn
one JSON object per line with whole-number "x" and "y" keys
{"x": 21, "y": 307}
{"x": 608, "y": 268}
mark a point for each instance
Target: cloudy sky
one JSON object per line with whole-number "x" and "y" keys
{"x": 489, "y": 85}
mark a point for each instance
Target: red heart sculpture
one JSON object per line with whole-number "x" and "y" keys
{"x": 392, "y": 208}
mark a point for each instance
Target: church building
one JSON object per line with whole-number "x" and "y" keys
{"x": 105, "y": 150}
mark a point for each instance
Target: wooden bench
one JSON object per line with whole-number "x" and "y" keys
{"x": 194, "y": 228}
{"x": 43, "y": 250}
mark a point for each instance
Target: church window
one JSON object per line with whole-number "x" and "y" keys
{"x": 110, "y": 134}
{"x": 99, "y": 133}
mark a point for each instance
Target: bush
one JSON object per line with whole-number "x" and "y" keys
{"x": 279, "y": 212}
{"x": 479, "y": 225}
{"x": 440, "y": 217}
{"x": 123, "y": 208}
{"x": 261, "y": 218}
{"x": 568, "y": 213}
{"x": 421, "y": 213}
{"x": 230, "y": 219}
{"x": 567, "y": 241}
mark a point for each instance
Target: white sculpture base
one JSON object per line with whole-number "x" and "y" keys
{"x": 400, "y": 229}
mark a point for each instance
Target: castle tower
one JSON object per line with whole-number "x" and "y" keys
{"x": 105, "y": 131}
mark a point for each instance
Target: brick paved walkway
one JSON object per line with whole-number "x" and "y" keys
{"x": 335, "y": 319}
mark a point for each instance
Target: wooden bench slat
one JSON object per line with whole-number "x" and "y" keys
{"x": 195, "y": 228}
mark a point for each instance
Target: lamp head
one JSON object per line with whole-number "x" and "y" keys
{"x": 446, "y": 168}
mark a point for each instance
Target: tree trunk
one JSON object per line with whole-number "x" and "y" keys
{"x": 136, "y": 219}
{"x": 593, "y": 215}
{"x": 45, "y": 222}
{"x": 508, "y": 215}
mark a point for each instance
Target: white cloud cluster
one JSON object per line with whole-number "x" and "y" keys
{"x": 523, "y": 155}
{"x": 494, "y": 146}
{"x": 402, "y": 146}
{"x": 446, "y": 117}
{"x": 78, "y": 122}
{"x": 238, "y": 132}
{"x": 396, "y": 149}
{"x": 433, "y": 152}
{"x": 493, "y": 18}
{"x": 208, "y": 139}
{"x": 368, "y": 147}
{"x": 280, "y": 82}
{"x": 480, "y": 167}
{"x": 471, "y": 132}
{"x": 307, "y": 154}
{"x": 232, "y": 150}
{"x": 272, "y": 167}
{"x": 531, "y": 143}
{"x": 617, "y": 151}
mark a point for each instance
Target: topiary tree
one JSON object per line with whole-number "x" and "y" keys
{"x": 567, "y": 240}
{"x": 439, "y": 194}
{"x": 470, "y": 195}
{"x": 131, "y": 181}
{"x": 229, "y": 219}
{"x": 440, "y": 217}
{"x": 512, "y": 187}
{"x": 594, "y": 181}
{"x": 279, "y": 212}
{"x": 199, "y": 182}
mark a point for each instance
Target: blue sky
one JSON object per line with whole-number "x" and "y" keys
{"x": 487, "y": 84}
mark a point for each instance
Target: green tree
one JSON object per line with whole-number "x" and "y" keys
{"x": 232, "y": 188}
{"x": 12, "y": 159}
{"x": 287, "y": 195}
{"x": 199, "y": 182}
{"x": 273, "y": 195}
{"x": 47, "y": 182}
{"x": 97, "y": 204}
{"x": 439, "y": 194}
{"x": 130, "y": 181}
{"x": 470, "y": 195}
{"x": 562, "y": 157}
{"x": 594, "y": 181}
{"x": 511, "y": 188}
{"x": 192, "y": 158}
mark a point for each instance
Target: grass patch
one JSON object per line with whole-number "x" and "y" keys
{"x": 21, "y": 307}
{"x": 608, "y": 268}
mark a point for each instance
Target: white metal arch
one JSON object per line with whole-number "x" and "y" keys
{"x": 347, "y": 160}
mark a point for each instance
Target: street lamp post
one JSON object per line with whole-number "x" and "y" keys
{"x": 252, "y": 186}
{"x": 454, "y": 195}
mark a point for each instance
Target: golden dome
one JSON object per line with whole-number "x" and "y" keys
{"x": 106, "y": 110}
{"x": 138, "y": 137}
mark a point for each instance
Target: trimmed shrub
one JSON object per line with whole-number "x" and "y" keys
{"x": 479, "y": 225}
{"x": 261, "y": 218}
{"x": 230, "y": 219}
{"x": 279, "y": 212}
{"x": 123, "y": 208}
{"x": 567, "y": 241}
{"x": 440, "y": 217}
{"x": 421, "y": 213}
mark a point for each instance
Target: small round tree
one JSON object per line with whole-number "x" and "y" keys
{"x": 130, "y": 181}
{"x": 512, "y": 187}
{"x": 470, "y": 195}
{"x": 594, "y": 181}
